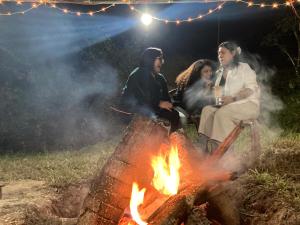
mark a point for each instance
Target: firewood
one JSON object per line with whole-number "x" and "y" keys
{"x": 111, "y": 188}
{"x": 172, "y": 212}
{"x": 176, "y": 209}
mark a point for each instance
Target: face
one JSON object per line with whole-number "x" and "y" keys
{"x": 158, "y": 64}
{"x": 225, "y": 56}
{"x": 206, "y": 72}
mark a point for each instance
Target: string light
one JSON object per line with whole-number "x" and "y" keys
{"x": 178, "y": 21}
{"x": 250, "y": 3}
{"x": 79, "y": 13}
{"x": 146, "y": 19}
{"x": 274, "y": 5}
{"x": 33, "y": 6}
{"x": 54, "y": 6}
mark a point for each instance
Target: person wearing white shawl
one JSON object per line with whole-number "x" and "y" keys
{"x": 239, "y": 97}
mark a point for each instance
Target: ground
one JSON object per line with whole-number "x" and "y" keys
{"x": 49, "y": 187}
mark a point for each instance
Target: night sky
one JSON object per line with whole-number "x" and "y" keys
{"x": 199, "y": 39}
{"x": 50, "y": 32}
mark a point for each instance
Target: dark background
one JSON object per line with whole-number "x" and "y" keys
{"x": 60, "y": 73}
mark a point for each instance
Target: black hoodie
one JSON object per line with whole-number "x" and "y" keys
{"x": 144, "y": 90}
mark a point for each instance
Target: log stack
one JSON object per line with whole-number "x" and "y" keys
{"x": 110, "y": 191}
{"x": 111, "y": 188}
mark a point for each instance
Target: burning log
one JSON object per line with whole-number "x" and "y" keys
{"x": 111, "y": 188}
{"x": 177, "y": 208}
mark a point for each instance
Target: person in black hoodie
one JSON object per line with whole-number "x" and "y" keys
{"x": 146, "y": 90}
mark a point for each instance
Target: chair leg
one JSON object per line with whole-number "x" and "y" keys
{"x": 255, "y": 139}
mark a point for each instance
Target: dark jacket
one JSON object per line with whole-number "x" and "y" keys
{"x": 143, "y": 92}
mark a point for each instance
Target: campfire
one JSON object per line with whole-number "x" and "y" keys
{"x": 165, "y": 180}
{"x": 154, "y": 178}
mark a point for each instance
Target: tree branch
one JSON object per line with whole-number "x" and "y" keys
{"x": 287, "y": 54}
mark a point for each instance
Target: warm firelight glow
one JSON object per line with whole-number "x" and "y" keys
{"x": 137, "y": 198}
{"x": 166, "y": 172}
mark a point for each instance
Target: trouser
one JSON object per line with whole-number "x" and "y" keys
{"x": 217, "y": 123}
{"x": 172, "y": 116}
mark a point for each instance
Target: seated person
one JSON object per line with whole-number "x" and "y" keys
{"x": 194, "y": 87}
{"x": 146, "y": 90}
{"x": 240, "y": 100}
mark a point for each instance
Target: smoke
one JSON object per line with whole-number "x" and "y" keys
{"x": 269, "y": 103}
{"x": 240, "y": 155}
{"x": 52, "y": 96}
{"x": 198, "y": 96}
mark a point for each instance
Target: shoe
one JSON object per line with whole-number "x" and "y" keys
{"x": 202, "y": 142}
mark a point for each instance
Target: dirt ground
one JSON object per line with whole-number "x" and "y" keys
{"x": 269, "y": 194}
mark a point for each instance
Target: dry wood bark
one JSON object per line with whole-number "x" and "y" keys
{"x": 111, "y": 188}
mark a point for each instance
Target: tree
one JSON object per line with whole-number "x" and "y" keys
{"x": 286, "y": 37}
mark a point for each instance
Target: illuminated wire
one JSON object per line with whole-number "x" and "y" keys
{"x": 178, "y": 21}
{"x": 263, "y": 5}
{"x": 79, "y": 13}
{"x": 33, "y": 6}
{"x": 274, "y": 5}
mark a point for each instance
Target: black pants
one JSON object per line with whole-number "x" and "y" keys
{"x": 172, "y": 116}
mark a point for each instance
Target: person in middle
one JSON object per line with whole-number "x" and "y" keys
{"x": 194, "y": 87}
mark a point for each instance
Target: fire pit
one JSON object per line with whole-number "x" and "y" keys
{"x": 154, "y": 178}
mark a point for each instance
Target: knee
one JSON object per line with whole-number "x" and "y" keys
{"x": 221, "y": 114}
{"x": 207, "y": 110}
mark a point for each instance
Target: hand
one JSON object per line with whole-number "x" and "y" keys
{"x": 165, "y": 105}
{"x": 227, "y": 99}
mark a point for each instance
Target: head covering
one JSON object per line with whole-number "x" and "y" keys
{"x": 149, "y": 56}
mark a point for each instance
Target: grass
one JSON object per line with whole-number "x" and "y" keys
{"x": 275, "y": 177}
{"x": 279, "y": 164}
{"x": 56, "y": 168}
{"x": 277, "y": 174}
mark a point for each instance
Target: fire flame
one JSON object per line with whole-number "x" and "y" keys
{"x": 137, "y": 198}
{"x": 166, "y": 172}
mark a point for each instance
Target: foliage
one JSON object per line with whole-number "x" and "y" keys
{"x": 286, "y": 37}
